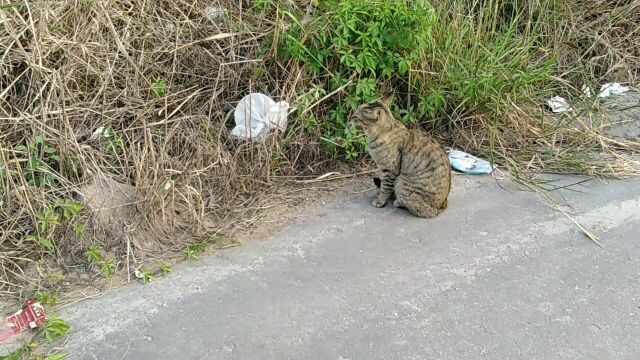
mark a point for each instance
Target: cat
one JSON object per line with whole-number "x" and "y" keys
{"x": 414, "y": 167}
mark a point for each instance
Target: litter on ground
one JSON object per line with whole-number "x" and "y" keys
{"x": 558, "y": 104}
{"x": 215, "y": 13}
{"x": 609, "y": 89}
{"x": 30, "y": 316}
{"x": 256, "y": 114}
{"x": 468, "y": 163}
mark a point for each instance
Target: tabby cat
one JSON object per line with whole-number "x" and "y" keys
{"x": 413, "y": 166}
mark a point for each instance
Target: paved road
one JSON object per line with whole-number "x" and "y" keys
{"x": 497, "y": 276}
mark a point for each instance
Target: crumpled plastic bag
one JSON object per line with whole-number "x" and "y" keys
{"x": 609, "y": 89}
{"x": 468, "y": 163}
{"x": 558, "y": 104}
{"x": 257, "y": 114}
{"x": 215, "y": 14}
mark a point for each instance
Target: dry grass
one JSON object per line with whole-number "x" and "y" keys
{"x": 69, "y": 68}
{"x": 163, "y": 78}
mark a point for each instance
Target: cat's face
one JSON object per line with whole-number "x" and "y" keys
{"x": 374, "y": 114}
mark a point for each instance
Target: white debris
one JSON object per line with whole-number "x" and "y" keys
{"x": 468, "y": 163}
{"x": 256, "y": 114}
{"x": 215, "y": 14}
{"x": 586, "y": 91}
{"x": 167, "y": 26}
{"x": 558, "y": 104}
{"x": 609, "y": 89}
{"x": 100, "y": 132}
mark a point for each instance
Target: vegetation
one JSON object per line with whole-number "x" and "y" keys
{"x": 142, "y": 93}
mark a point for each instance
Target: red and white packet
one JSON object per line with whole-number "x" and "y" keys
{"x": 30, "y": 316}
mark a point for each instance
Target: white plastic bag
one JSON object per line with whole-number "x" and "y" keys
{"x": 558, "y": 104}
{"x": 256, "y": 114}
{"x": 468, "y": 163}
{"x": 609, "y": 89}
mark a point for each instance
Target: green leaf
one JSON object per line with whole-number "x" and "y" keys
{"x": 50, "y": 150}
{"x": 11, "y": 5}
{"x": 59, "y": 356}
{"x": 159, "y": 87}
{"x": 166, "y": 269}
{"x": 46, "y": 298}
{"x": 94, "y": 254}
{"x": 55, "y": 328}
{"x": 107, "y": 267}
{"x": 33, "y": 163}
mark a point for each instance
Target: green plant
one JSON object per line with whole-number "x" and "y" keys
{"x": 70, "y": 208}
{"x": 367, "y": 41}
{"x": 79, "y": 229}
{"x": 54, "y": 328}
{"x": 41, "y": 241}
{"x": 472, "y": 59}
{"x": 145, "y": 275}
{"x": 59, "y": 356}
{"x": 193, "y": 251}
{"x": 94, "y": 254}
{"x": 159, "y": 87}
{"x": 107, "y": 266}
{"x": 40, "y": 160}
{"x": 50, "y": 276}
{"x": 46, "y": 298}
{"x": 47, "y": 220}
{"x": 26, "y": 352}
{"x": 165, "y": 268}
{"x": 59, "y": 28}
{"x": 113, "y": 141}
{"x": 17, "y": 354}
{"x": 262, "y": 5}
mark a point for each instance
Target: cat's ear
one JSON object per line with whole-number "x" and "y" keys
{"x": 387, "y": 99}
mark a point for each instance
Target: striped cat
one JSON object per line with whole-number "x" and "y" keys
{"x": 414, "y": 166}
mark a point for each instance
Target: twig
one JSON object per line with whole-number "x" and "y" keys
{"x": 556, "y": 206}
{"x": 332, "y": 176}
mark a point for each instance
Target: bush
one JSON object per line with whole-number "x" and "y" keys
{"x": 440, "y": 61}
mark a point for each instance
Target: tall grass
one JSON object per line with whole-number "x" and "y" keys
{"x": 160, "y": 80}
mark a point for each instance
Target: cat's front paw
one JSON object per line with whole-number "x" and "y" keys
{"x": 379, "y": 203}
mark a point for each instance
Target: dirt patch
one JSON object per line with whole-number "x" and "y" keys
{"x": 111, "y": 204}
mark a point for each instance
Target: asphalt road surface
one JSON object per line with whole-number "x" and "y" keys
{"x": 499, "y": 275}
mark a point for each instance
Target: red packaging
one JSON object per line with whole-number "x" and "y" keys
{"x": 30, "y": 316}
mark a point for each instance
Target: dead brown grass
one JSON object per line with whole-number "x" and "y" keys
{"x": 69, "y": 68}
{"x": 164, "y": 79}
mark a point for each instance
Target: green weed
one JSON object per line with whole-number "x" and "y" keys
{"x": 41, "y": 160}
{"x": 46, "y": 298}
{"x": 146, "y": 275}
{"x": 159, "y": 87}
{"x": 440, "y": 61}
{"x": 193, "y": 251}
{"x": 165, "y": 268}
{"x": 107, "y": 266}
{"x": 54, "y": 328}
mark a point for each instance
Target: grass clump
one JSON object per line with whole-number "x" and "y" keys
{"x": 358, "y": 45}
{"x": 475, "y": 73}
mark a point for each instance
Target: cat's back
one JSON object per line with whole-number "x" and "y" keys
{"x": 424, "y": 157}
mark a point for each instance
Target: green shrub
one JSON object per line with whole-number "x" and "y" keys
{"x": 438, "y": 60}
{"x": 367, "y": 42}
